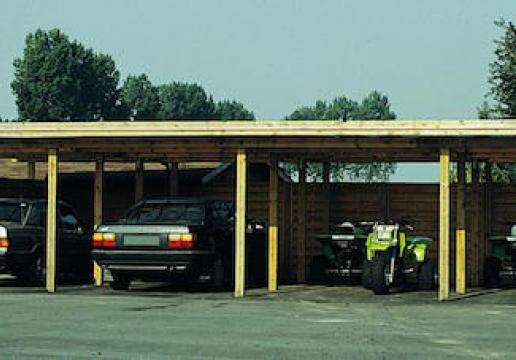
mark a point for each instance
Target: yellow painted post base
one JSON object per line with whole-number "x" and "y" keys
{"x": 273, "y": 259}
{"x": 460, "y": 262}
{"x": 98, "y": 274}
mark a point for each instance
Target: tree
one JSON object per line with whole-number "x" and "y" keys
{"x": 140, "y": 97}
{"x": 233, "y": 110}
{"x": 502, "y": 76}
{"x": 185, "y": 101}
{"x": 374, "y": 106}
{"x": 57, "y": 79}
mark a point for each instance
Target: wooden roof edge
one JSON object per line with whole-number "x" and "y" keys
{"x": 261, "y": 128}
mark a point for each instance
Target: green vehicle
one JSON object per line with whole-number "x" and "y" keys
{"x": 501, "y": 265}
{"x": 394, "y": 259}
{"x": 343, "y": 254}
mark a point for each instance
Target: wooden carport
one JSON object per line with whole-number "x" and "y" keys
{"x": 265, "y": 141}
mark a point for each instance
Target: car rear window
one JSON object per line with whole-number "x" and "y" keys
{"x": 11, "y": 212}
{"x": 165, "y": 214}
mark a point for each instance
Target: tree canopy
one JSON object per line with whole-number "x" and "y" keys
{"x": 374, "y": 106}
{"x": 140, "y": 97}
{"x": 502, "y": 72}
{"x": 233, "y": 110}
{"x": 185, "y": 101}
{"x": 60, "y": 80}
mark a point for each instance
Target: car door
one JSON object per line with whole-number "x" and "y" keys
{"x": 74, "y": 245}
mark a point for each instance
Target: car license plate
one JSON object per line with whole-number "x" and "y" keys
{"x": 141, "y": 240}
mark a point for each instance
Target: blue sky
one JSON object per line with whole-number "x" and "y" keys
{"x": 430, "y": 57}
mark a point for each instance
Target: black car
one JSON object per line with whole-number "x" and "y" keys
{"x": 168, "y": 239}
{"x": 23, "y": 241}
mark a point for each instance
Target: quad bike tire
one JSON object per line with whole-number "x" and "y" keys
{"x": 378, "y": 267}
{"x": 120, "y": 282}
{"x": 366, "y": 274}
{"x": 492, "y": 266}
{"x": 426, "y": 277}
{"x": 318, "y": 270}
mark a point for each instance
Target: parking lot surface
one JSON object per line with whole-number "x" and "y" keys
{"x": 301, "y": 322}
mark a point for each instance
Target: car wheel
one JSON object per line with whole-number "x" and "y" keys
{"x": 120, "y": 282}
{"x": 492, "y": 266}
{"x": 366, "y": 274}
{"x": 40, "y": 271}
{"x": 379, "y": 269}
{"x": 426, "y": 279}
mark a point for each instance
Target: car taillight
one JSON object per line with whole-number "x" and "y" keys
{"x": 181, "y": 241}
{"x": 4, "y": 244}
{"x": 103, "y": 240}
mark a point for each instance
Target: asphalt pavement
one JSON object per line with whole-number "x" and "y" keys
{"x": 301, "y": 322}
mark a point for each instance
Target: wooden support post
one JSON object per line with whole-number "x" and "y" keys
{"x": 138, "y": 180}
{"x": 301, "y": 224}
{"x": 97, "y": 213}
{"x": 51, "y": 220}
{"x": 31, "y": 170}
{"x": 460, "y": 236}
{"x": 273, "y": 226}
{"x": 475, "y": 223}
{"x": 444, "y": 225}
{"x": 240, "y": 223}
{"x": 173, "y": 179}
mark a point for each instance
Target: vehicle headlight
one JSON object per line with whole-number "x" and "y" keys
{"x": 3, "y": 232}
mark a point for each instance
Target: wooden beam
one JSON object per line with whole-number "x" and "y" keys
{"x": 138, "y": 180}
{"x": 31, "y": 170}
{"x": 173, "y": 178}
{"x": 273, "y": 226}
{"x": 97, "y": 212}
{"x": 460, "y": 237}
{"x": 240, "y": 223}
{"x": 266, "y": 128}
{"x": 444, "y": 225}
{"x": 51, "y": 220}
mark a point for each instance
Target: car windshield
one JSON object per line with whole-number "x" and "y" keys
{"x": 10, "y": 212}
{"x": 166, "y": 214}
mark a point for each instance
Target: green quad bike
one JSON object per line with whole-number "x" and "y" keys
{"x": 500, "y": 267}
{"x": 394, "y": 259}
{"x": 343, "y": 254}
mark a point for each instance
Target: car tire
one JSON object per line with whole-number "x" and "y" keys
{"x": 366, "y": 274}
{"x": 492, "y": 266}
{"x": 120, "y": 282}
{"x": 426, "y": 279}
{"x": 379, "y": 265}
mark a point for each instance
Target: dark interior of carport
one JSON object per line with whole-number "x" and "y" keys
{"x": 294, "y": 212}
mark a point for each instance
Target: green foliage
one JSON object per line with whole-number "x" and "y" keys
{"x": 60, "y": 80}
{"x": 185, "y": 101}
{"x": 233, "y": 110}
{"x": 503, "y": 71}
{"x": 374, "y": 106}
{"x": 140, "y": 97}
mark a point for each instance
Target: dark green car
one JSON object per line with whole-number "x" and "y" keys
{"x": 168, "y": 239}
{"x": 22, "y": 241}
